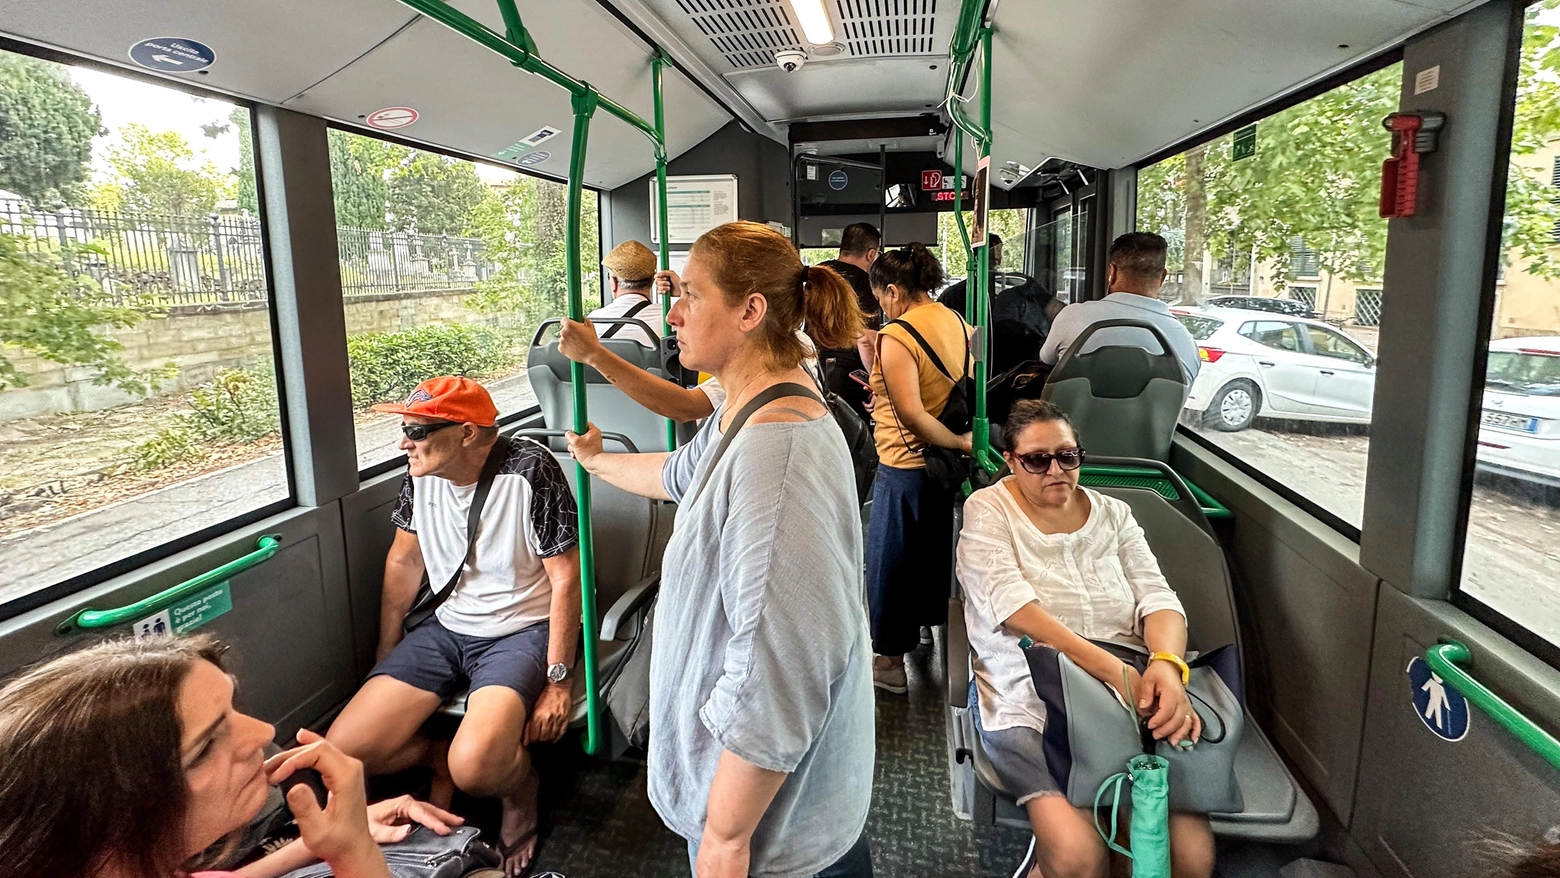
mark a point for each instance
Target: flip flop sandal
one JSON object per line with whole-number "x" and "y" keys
{"x": 504, "y": 850}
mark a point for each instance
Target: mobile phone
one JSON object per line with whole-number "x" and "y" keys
{"x": 860, "y": 377}
{"x": 310, "y": 778}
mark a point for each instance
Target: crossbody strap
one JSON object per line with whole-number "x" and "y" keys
{"x": 613, "y": 330}
{"x": 765, "y": 397}
{"x": 495, "y": 459}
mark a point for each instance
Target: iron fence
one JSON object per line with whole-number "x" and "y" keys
{"x": 219, "y": 259}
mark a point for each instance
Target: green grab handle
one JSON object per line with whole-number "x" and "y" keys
{"x": 89, "y": 619}
{"x": 657, "y": 64}
{"x": 1447, "y": 659}
{"x": 584, "y": 106}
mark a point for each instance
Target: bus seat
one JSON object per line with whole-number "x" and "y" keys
{"x": 1277, "y": 809}
{"x": 1123, "y": 399}
{"x": 629, "y": 537}
{"x": 610, "y": 408}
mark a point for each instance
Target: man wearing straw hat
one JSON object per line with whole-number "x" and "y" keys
{"x": 630, "y": 273}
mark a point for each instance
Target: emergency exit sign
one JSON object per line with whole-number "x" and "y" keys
{"x": 1245, "y": 142}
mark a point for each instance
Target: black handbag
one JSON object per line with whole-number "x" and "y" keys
{"x": 948, "y": 468}
{"x": 427, "y": 599}
{"x": 426, "y": 854}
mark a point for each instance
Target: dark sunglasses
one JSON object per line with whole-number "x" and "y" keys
{"x": 419, "y": 432}
{"x": 1039, "y": 462}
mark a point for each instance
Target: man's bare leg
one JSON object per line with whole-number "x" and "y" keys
{"x": 487, "y": 758}
{"x": 381, "y": 724}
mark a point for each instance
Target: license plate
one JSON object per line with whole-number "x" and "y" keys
{"x": 1511, "y": 422}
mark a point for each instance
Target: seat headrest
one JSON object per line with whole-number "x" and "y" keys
{"x": 548, "y": 355}
{"x": 1119, "y": 372}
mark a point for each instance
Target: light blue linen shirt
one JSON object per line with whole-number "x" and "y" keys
{"x": 1072, "y": 320}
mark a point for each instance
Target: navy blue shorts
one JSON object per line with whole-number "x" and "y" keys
{"x": 435, "y": 659}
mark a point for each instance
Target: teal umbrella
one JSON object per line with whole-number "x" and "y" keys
{"x": 1149, "y": 836}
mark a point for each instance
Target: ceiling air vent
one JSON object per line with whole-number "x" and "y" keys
{"x": 888, "y": 27}
{"x": 747, "y": 32}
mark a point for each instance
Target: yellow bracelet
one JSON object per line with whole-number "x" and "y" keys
{"x": 1172, "y": 658}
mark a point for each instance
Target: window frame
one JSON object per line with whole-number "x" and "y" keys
{"x": 63, "y": 589}
{"x": 378, "y": 469}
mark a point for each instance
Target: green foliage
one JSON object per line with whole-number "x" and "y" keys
{"x": 47, "y": 123}
{"x": 522, "y": 227}
{"x": 1531, "y": 212}
{"x": 239, "y": 406}
{"x": 1008, "y": 224}
{"x": 47, "y": 312}
{"x": 432, "y": 194}
{"x": 247, "y": 181}
{"x": 358, "y": 170}
{"x": 158, "y": 172}
{"x": 389, "y": 365}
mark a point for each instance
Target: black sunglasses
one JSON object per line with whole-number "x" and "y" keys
{"x": 1039, "y": 462}
{"x": 419, "y": 432}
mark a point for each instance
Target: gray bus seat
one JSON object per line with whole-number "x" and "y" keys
{"x": 1277, "y": 810}
{"x": 1123, "y": 399}
{"x": 629, "y": 538}
{"x": 610, "y": 408}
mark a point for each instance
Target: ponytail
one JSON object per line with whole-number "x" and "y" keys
{"x": 912, "y": 268}
{"x": 830, "y": 308}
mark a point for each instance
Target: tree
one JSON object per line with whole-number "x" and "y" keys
{"x": 47, "y": 312}
{"x": 432, "y": 194}
{"x": 1531, "y": 212}
{"x": 47, "y": 123}
{"x": 1195, "y": 236}
{"x": 522, "y": 226}
{"x": 245, "y": 174}
{"x": 158, "y": 172}
{"x": 359, "y": 167}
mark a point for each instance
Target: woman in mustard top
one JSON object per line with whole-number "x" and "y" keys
{"x": 910, "y": 536}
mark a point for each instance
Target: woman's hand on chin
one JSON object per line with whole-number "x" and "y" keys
{"x": 338, "y": 833}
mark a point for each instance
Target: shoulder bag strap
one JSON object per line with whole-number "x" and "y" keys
{"x": 490, "y": 467}
{"x": 921, "y": 340}
{"x": 765, "y": 397}
{"x": 613, "y": 330}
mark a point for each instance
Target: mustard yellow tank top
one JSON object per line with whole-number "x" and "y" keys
{"x": 948, "y": 334}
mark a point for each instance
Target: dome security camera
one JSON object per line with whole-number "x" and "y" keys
{"x": 790, "y": 61}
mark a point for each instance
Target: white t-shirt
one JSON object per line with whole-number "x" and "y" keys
{"x": 1101, "y": 581}
{"x": 650, "y": 315}
{"x": 530, "y": 515}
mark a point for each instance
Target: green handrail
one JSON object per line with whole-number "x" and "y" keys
{"x": 519, "y": 49}
{"x": 88, "y": 619}
{"x": 1446, "y": 660}
{"x": 659, "y": 63}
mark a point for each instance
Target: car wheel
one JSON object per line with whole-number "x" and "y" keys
{"x": 1234, "y": 407}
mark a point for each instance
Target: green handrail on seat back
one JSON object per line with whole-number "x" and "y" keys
{"x": 1447, "y": 659}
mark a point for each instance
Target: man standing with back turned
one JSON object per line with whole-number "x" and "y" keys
{"x": 509, "y": 627}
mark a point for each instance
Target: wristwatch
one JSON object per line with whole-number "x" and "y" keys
{"x": 557, "y": 673}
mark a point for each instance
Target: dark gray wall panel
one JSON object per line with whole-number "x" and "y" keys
{"x": 365, "y": 522}
{"x": 289, "y": 626}
{"x": 763, "y": 174}
{"x": 1424, "y": 802}
{"x": 1307, "y": 610}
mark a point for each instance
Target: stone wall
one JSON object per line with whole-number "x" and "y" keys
{"x": 202, "y": 342}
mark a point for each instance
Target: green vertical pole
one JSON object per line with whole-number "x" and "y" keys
{"x": 584, "y": 107}
{"x": 660, "y": 61}
{"x": 981, "y": 440}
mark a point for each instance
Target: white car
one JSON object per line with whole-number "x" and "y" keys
{"x": 1261, "y": 364}
{"x": 1519, "y": 429}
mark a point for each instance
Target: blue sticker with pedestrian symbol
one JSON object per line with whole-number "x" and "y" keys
{"x": 1441, "y": 708}
{"x": 838, "y": 180}
{"x": 172, "y": 55}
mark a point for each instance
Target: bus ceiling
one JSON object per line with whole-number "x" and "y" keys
{"x": 1100, "y": 85}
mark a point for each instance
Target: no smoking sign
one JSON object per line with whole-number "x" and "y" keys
{"x": 391, "y": 118}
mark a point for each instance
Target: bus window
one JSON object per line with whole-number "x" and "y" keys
{"x": 1285, "y": 388}
{"x": 447, "y": 268}
{"x": 138, "y": 387}
{"x": 1512, "y": 544}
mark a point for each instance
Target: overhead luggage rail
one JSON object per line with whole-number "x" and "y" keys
{"x": 517, "y": 46}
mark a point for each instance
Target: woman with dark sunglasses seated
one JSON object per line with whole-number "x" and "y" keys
{"x": 1040, "y": 556}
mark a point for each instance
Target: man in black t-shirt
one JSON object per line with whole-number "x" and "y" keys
{"x": 859, "y": 245}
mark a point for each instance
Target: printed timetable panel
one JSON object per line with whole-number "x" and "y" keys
{"x": 694, "y": 205}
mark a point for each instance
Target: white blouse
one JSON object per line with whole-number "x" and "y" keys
{"x": 1101, "y": 581}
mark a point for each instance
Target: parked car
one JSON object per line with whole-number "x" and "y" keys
{"x": 1519, "y": 430}
{"x": 1261, "y": 364}
{"x": 1292, "y": 307}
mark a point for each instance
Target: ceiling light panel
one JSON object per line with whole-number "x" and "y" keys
{"x": 814, "y": 20}
{"x": 889, "y": 27}
{"x": 747, "y": 33}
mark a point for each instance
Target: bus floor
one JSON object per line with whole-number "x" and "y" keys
{"x": 596, "y": 821}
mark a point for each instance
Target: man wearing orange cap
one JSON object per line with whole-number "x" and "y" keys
{"x": 507, "y": 629}
{"x": 630, "y": 272}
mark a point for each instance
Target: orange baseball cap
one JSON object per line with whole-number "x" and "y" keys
{"x": 447, "y": 398}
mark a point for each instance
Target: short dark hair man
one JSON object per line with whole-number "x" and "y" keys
{"x": 1134, "y": 275}
{"x": 510, "y": 626}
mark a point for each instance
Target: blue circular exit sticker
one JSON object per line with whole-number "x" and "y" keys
{"x": 1441, "y": 708}
{"x": 172, "y": 55}
{"x": 838, "y": 180}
